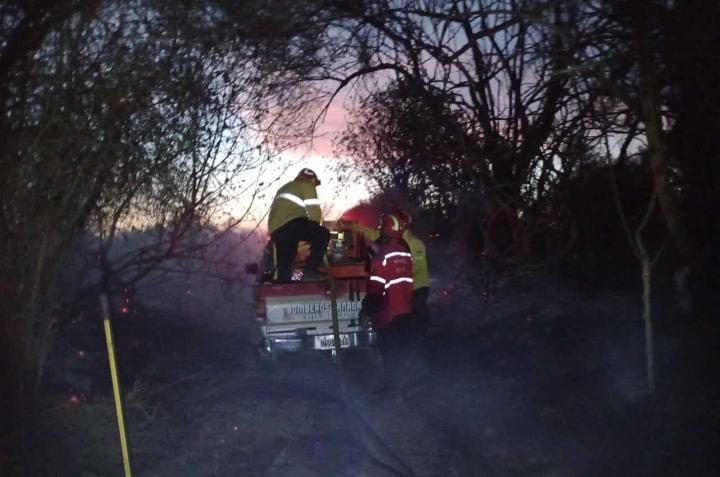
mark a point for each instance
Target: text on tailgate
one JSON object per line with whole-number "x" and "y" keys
{"x": 309, "y": 309}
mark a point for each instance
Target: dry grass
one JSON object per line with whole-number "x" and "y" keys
{"x": 90, "y": 435}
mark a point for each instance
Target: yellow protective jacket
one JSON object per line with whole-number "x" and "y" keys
{"x": 296, "y": 199}
{"x": 421, "y": 278}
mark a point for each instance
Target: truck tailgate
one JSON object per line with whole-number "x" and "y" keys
{"x": 307, "y": 305}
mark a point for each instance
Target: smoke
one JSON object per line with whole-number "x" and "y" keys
{"x": 364, "y": 213}
{"x": 213, "y": 291}
{"x": 208, "y": 287}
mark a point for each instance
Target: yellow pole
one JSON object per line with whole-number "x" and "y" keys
{"x": 115, "y": 384}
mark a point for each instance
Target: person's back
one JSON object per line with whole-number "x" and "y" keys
{"x": 421, "y": 277}
{"x": 388, "y": 302}
{"x": 390, "y": 280}
{"x": 295, "y": 215}
{"x": 295, "y": 199}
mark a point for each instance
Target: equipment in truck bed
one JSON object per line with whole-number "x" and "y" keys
{"x": 296, "y": 315}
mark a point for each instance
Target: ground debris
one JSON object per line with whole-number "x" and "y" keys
{"x": 556, "y": 395}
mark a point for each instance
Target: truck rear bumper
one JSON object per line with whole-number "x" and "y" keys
{"x": 292, "y": 342}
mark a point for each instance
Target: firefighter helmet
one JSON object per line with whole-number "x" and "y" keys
{"x": 309, "y": 175}
{"x": 392, "y": 225}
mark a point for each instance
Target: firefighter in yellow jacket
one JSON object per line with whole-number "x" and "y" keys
{"x": 295, "y": 215}
{"x": 421, "y": 278}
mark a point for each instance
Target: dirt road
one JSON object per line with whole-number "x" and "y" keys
{"x": 522, "y": 397}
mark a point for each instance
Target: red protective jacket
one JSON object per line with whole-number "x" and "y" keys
{"x": 390, "y": 283}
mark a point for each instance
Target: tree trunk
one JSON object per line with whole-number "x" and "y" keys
{"x": 667, "y": 198}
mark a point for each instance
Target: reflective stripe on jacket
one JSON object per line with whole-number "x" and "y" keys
{"x": 421, "y": 277}
{"x": 390, "y": 280}
{"x": 296, "y": 199}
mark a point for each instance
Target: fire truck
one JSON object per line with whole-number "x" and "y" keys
{"x": 297, "y": 316}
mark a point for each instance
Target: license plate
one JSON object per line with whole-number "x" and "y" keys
{"x": 328, "y": 341}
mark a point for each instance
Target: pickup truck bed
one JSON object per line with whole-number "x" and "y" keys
{"x": 296, "y": 316}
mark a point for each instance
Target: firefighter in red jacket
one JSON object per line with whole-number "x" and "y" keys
{"x": 388, "y": 303}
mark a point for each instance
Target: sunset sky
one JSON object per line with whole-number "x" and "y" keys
{"x": 319, "y": 156}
